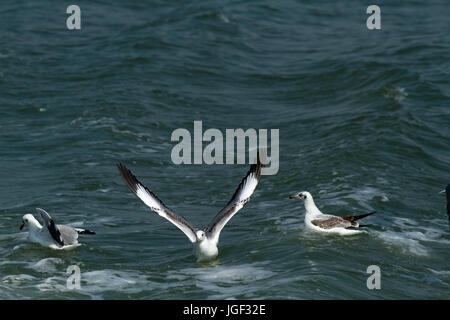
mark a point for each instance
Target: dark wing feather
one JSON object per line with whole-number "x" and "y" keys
{"x": 354, "y": 218}
{"x": 51, "y": 227}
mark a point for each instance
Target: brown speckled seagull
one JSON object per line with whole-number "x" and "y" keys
{"x": 319, "y": 221}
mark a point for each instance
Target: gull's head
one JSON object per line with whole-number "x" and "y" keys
{"x": 200, "y": 235}
{"x": 28, "y": 220}
{"x": 301, "y": 195}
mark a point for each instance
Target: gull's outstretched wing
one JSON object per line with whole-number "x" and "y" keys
{"x": 157, "y": 206}
{"x": 51, "y": 227}
{"x": 238, "y": 201}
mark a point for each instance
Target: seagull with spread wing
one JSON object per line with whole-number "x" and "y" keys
{"x": 319, "y": 221}
{"x": 55, "y": 236}
{"x": 205, "y": 241}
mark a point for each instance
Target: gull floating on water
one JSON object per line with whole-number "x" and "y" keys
{"x": 205, "y": 242}
{"x": 447, "y": 193}
{"x": 319, "y": 221}
{"x": 55, "y": 236}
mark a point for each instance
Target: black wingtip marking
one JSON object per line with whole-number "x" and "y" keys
{"x": 85, "y": 231}
{"x": 133, "y": 182}
{"x": 54, "y": 232}
{"x": 128, "y": 177}
{"x": 354, "y": 218}
{"x": 255, "y": 169}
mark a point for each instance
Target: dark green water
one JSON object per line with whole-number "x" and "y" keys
{"x": 364, "y": 124}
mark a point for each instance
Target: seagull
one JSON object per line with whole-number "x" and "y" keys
{"x": 447, "y": 193}
{"x": 319, "y": 221}
{"x": 205, "y": 241}
{"x": 55, "y": 236}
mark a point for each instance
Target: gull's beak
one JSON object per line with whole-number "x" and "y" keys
{"x": 294, "y": 196}
{"x": 21, "y": 226}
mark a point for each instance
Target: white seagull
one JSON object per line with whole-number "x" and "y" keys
{"x": 205, "y": 242}
{"x": 319, "y": 221}
{"x": 52, "y": 235}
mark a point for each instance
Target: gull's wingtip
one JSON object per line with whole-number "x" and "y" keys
{"x": 123, "y": 170}
{"x": 261, "y": 154}
{"x": 40, "y": 210}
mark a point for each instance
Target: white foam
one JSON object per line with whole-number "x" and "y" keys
{"x": 405, "y": 244}
{"x": 47, "y": 265}
{"x": 52, "y": 284}
{"x": 363, "y": 195}
{"x": 440, "y": 272}
{"x": 287, "y": 224}
{"x": 17, "y": 279}
{"x": 404, "y": 222}
{"x": 96, "y": 283}
{"x": 114, "y": 280}
{"x": 225, "y": 281}
{"x": 366, "y": 194}
{"x": 224, "y": 18}
{"x": 413, "y": 237}
{"x": 20, "y": 246}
